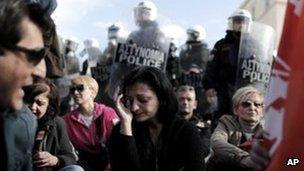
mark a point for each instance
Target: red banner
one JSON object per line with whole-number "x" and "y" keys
{"x": 285, "y": 121}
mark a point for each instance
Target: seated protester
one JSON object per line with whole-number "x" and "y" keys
{"x": 233, "y": 136}
{"x": 150, "y": 136}
{"x": 52, "y": 149}
{"x": 187, "y": 103}
{"x": 194, "y": 77}
{"x": 89, "y": 125}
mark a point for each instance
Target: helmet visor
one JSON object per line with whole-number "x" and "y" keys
{"x": 142, "y": 14}
{"x": 240, "y": 19}
{"x": 113, "y": 34}
{"x": 239, "y": 23}
{"x": 192, "y": 35}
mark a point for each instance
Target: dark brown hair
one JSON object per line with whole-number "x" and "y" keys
{"x": 12, "y": 12}
{"x": 42, "y": 86}
{"x": 160, "y": 84}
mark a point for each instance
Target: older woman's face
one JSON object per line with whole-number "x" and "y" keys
{"x": 81, "y": 93}
{"x": 40, "y": 105}
{"x": 142, "y": 101}
{"x": 251, "y": 109}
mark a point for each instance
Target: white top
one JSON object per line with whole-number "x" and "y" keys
{"x": 87, "y": 120}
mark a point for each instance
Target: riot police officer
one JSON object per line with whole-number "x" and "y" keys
{"x": 221, "y": 70}
{"x": 71, "y": 59}
{"x": 195, "y": 50}
{"x": 92, "y": 53}
{"x": 101, "y": 73}
{"x": 173, "y": 69}
{"x": 148, "y": 35}
{"x": 115, "y": 35}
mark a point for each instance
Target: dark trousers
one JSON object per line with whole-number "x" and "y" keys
{"x": 93, "y": 162}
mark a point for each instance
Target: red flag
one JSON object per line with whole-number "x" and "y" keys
{"x": 286, "y": 121}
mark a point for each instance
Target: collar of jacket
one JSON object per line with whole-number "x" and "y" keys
{"x": 97, "y": 112}
{"x": 233, "y": 35}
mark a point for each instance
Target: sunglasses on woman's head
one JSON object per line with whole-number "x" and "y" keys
{"x": 79, "y": 88}
{"x": 248, "y": 104}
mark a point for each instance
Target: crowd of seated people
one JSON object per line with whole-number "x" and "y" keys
{"x": 151, "y": 127}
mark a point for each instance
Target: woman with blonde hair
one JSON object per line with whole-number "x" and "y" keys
{"x": 90, "y": 124}
{"x": 232, "y": 139}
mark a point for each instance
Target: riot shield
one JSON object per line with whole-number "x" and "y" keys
{"x": 147, "y": 46}
{"x": 101, "y": 74}
{"x": 93, "y": 55}
{"x": 71, "y": 45}
{"x": 131, "y": 54}
{"x": 194, "y": 53}
{"x": 150, "y": 36}
{"x": 195, "y": 79}
{"x": 255, "y": 57}
{"x": 192, "y": 79}
{"x": 72, "y": 64}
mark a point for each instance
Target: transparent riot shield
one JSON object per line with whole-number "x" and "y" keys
{"x": 93, "y": 56}
{"x": 147, "y": 46}
{"x": 256, "y": 57}
{"x": 101, "y": 73}
{"x": 192, "y": 79}
{"x": 194, "y": 53}
{"x": 72, "y": 65}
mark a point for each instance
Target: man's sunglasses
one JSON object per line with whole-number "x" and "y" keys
{"x": 33, "y": 55}
{"x": 79, "y": 88}
{"x": 248, "y": 104}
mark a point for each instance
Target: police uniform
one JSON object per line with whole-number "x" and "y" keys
{"x": 221, "y": 71}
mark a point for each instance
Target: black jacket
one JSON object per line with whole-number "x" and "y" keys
{"x": 221, "y": 70}
{"x": 56, "y": 142}
{"x": 204, "y": 131}
{"x": 179, "y": 147}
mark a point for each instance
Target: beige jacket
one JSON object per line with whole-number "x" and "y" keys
{"x": 225, "y": 140}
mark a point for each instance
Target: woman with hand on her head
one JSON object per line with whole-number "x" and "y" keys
{"x": 150, "y": 136}
{"x": 89, "y": 125}
{"x": 52, "y": 149}
{"x": 232, "y": 139}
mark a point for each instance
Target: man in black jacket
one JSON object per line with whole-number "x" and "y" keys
{"x": 221, "y": 71}
{"x": 187, "y": 104}
{"x": 195, "y": 51}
